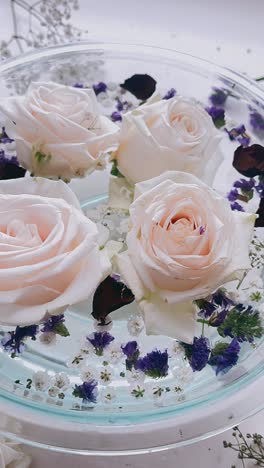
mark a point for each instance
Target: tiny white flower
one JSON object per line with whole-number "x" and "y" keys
{"x": 123, "y": 226}
{"x": 114, "y": 354}
{"x": 105, "y": 376}
{"x": 48, "y": 338}
{"x": 183, "y": 375}
{"x": 102, "y": 328}
{"x": 108, "y": 395}
{"x": 135, "y": 325}
{"x": 111, "y": 86}
{"x": 88, "y": 373}
{"x": 41, "y": 380}
{"x": 102, "y": 97}
{"x": 53, "y": 392}
{"x": 61, "y": 381}
{"x": 176, "y": 350}
{"x": 76, "y": 360}
{"x": 135, "y": 377}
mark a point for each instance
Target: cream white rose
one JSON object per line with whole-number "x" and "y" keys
{"x": 175, "y": 134}
{"x": 49, "y": 255}
{"x": 12, "y": 456}
{"x": 184, "y": 242}
{"x": 58, "y": 130}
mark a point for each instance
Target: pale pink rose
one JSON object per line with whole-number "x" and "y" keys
{"x": 184, "y": 242}
{"x": 61, "y": 123}
{"x": 49, "y": 255}
{"x": 175, "y": 134}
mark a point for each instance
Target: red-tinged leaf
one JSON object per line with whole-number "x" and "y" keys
{"x": 142, "y": 86}
{"x": 260, "y": 220}
{"x": 110, "y": 295}
{"x": 249, "y": 161}
{"x": 11, "y": 171}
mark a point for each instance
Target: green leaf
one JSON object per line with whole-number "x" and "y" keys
{"x": 61, "y": 330}
{"x": 219, "y": 348}
{"x": 245, "y": 325}
{"x": 115, "y": 171}
{"x": 219, "y": 123}
{"x": 42, "y": 157}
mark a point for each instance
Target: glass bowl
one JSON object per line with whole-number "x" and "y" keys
{"x": 125, "y": 422}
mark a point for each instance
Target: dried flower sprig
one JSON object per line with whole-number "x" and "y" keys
{"x": 48, "y": 23}
{"x": 249, "y": 447}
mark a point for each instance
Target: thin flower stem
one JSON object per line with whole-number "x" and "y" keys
{"x": 242, "y": 279}
{"x": 16, "y": 37}
{"x": 261, "y": 78}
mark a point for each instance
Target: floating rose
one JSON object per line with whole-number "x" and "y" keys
{"x": 184, "y": 243}
{"x": 49, "y": 256}
{"x": 174, "y": 134}
{"x": 249, "y": 161}
{"x": 58, "y": 130}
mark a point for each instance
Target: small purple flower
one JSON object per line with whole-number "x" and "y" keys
{"x": 13, "y": 341}
{"x": 233, "y": 195}
{"x": 100, "y": 340}
{"x": 245, "y": 184}
{"x": 224, "y": 356}
{"x": 53, "y": 323}
{"x": 198, "y": 353}
{"x": 256, "y": 121}
{"x": 236, "y": 207}
{"x": 218, "y": 97}
{"x": 88, "y": 391}
{"x": 239, "y": 134}
{"x": 206, "y": 308}
{"x": 6, "y": 160}
{"x": 201, "y": 230}
{"x": 218, "y": 318}
{"x": 154, "y": 364}
{"x": 116, "y": 116}
{"x": 119, "y": 104}
{"x": 78, "y": 85}
{"x": 131, "y": 351}
{"x": 99, "y": 88}
{"x": 244, "y": 140}
{"x": 221, "y": 299}
{"x": 260, "y": 189}
{"x": 217, "y": 114}
{"x": 4, "y": 138}
{"x": 170, "y": 94}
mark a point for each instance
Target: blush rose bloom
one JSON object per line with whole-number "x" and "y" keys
{"x": 184, "y": 243}
{"x": 49, "y": 255}
{"x": 61, "y": 123}
{"x": 175, "y": 134}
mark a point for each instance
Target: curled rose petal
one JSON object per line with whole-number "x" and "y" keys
{"x": 249, "y": 161}
{"x": 49, "y": 254}
{"x": 184, "y": 243}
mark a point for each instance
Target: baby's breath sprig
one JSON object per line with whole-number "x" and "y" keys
{"x": 249, "y": 447}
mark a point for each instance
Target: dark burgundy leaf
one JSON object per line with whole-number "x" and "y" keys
{"x": 249, "y": 161}
{"x": 260, "y": 220}
{"x": 110, "y": 295}
{"x": 142, "y": 86}
{"x": 11, "y": 171}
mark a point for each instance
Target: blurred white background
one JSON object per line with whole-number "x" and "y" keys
{"x": 223, "y": 31}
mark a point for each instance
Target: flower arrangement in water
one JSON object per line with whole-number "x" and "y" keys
{"x": 189, "y": 256}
